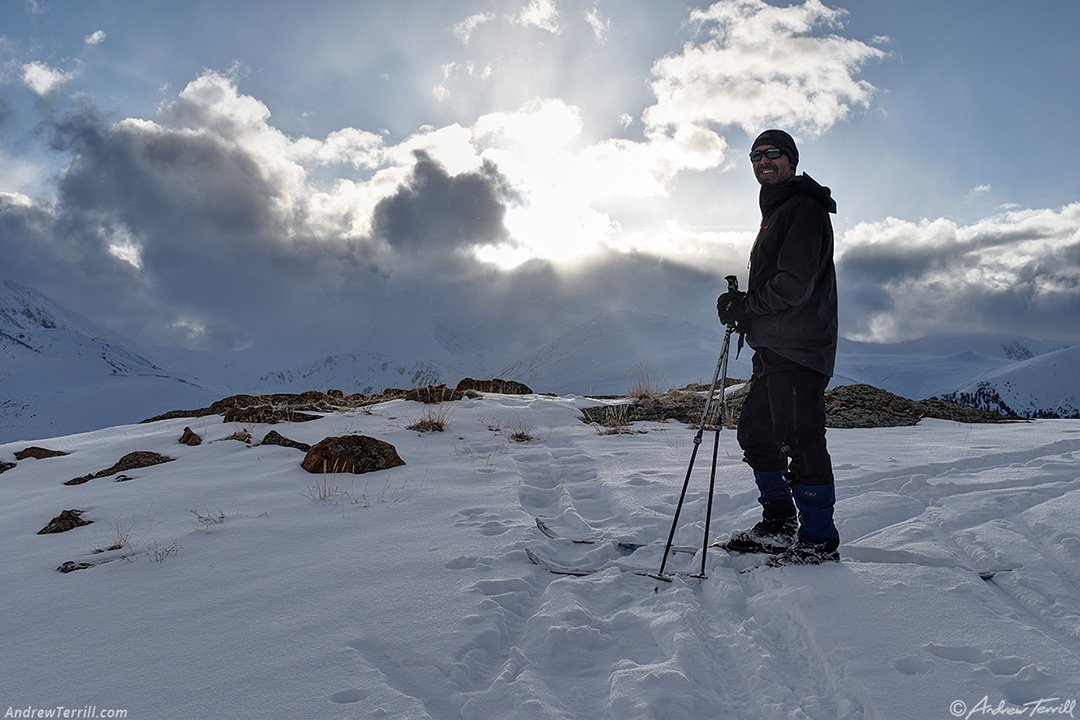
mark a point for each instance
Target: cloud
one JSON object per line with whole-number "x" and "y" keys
{"x": 208, "y": 227}
{"x": 438, "y": 214}
{"x": 760, "y": 66}
{"x": 564, "y": 183}
{"x": 1017, "y": 272}
{"x": 95, "y": 38}
{"x": 45, "y": 80}
{"x": 464, "y": 29}
{"x": 542, "y": 14}
{"x": 600, "y": 25}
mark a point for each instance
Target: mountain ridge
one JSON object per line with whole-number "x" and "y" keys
{"x": 62, "y": 373}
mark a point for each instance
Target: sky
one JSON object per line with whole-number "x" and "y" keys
{"x": 335, "y": 174}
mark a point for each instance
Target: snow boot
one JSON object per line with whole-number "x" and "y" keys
{"x": 775, "y": 533}
{"x": 815, "y": 503}
{"x": 818, "y": 540}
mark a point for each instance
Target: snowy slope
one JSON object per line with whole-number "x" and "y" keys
{"x": 1043, "y": 386}
{"x": 940, "y": 364}
{"x": 914, "y": 376}
{"x": 362, "y": 372}
{"x": 596, "y": 357}
{"x": 1001, "y": 347}
{"x": 245, "y": 587}
{"x": 61, "y": 373}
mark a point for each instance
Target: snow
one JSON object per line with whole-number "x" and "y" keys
{"x": 239, "y": 591}
{"x": 60, "y": 373}
{"x": 1047, "y": 383}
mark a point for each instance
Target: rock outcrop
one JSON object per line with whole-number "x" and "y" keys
{"x": 503, "y": 387}
{"x": 189, "y": 437}
{"x": 351, "y": 454}
{"x": 67, "y": 520}
{"x": 131, "y": 461}
{"x": 275, "y": 438}
{"x": 38, "y": 453}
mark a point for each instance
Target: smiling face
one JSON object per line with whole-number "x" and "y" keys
{"x": 773, "y": 172}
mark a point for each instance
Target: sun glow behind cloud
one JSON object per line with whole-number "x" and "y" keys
{"x": 526, "y": 178}
{"x": 802, "y": 81}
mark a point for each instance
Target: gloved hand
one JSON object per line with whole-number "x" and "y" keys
{"x": 730, "y": 308}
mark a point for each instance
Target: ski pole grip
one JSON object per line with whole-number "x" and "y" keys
{"x": 732, "y": 283}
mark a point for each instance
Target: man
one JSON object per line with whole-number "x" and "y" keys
{"x": 788, "y": 315}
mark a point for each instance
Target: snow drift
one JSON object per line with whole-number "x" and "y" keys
{"x": 231, "y": 582}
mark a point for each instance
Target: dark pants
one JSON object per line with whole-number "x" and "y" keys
{"x": 782, "y": 425}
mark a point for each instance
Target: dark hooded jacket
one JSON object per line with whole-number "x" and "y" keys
{"x": 791, "y": 297}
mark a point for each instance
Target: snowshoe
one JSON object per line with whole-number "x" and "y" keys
{"x": 805, "y": 553}
{"x": 772, "y": 537}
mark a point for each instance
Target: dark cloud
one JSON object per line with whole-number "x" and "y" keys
{"x": 226, "y": 259}
{"x": 215, "y": 238}
{"x": 165, "y": 180}
{"x": 440, "y": 212}
{"x": 220, "y": 263}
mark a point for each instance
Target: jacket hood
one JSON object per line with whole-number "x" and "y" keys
{"x": 772, "y": 196}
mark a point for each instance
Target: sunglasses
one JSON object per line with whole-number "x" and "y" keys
{"x": 771, "y": 153}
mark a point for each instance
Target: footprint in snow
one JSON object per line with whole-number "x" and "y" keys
{"x": 1021, "y": 681}
{"x": 346, "y": 697}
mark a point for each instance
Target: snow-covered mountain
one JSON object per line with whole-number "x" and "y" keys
{"x": 61, "y": 373}
{"x": 1032, "y": 378}
{"x": 1043, "y": 386}
{"x": 608, "y": 353}
{"x": 360, "y": 372}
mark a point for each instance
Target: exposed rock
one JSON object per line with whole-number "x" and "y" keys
{"x": 950, "y": 410}
{"x": 275, "y": 438}
{"x": 290, "y": 407}
{"x": 432, "y": 394}
{"x": 5, "y": 466}
{"x": 680, "y": 405}
{"x": 351, "y": 454}
{"x": 266, "y": 414}
{"x": 175, "y": 414}
{"x": 235, "y": 401}
{"x": 38, "y": 453}
{"x": 189, "y": 437}
{"x": 847, "y": 406}
{"x": 131, "y": 461}
{"x": 134, "y": 461}
{"x": 504, "y": 387}
{"x": 72, "y": 566}
{"x": 311, "y": 401}
{"x": 865, "y": 406}
{"x": 67, "y": 520}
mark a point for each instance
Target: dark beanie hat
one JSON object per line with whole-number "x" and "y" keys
{"x": 780, "y": 139}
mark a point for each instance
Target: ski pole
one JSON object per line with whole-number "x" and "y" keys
{"x": 716, "y": 447}
{"x": 733, "y": 285}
